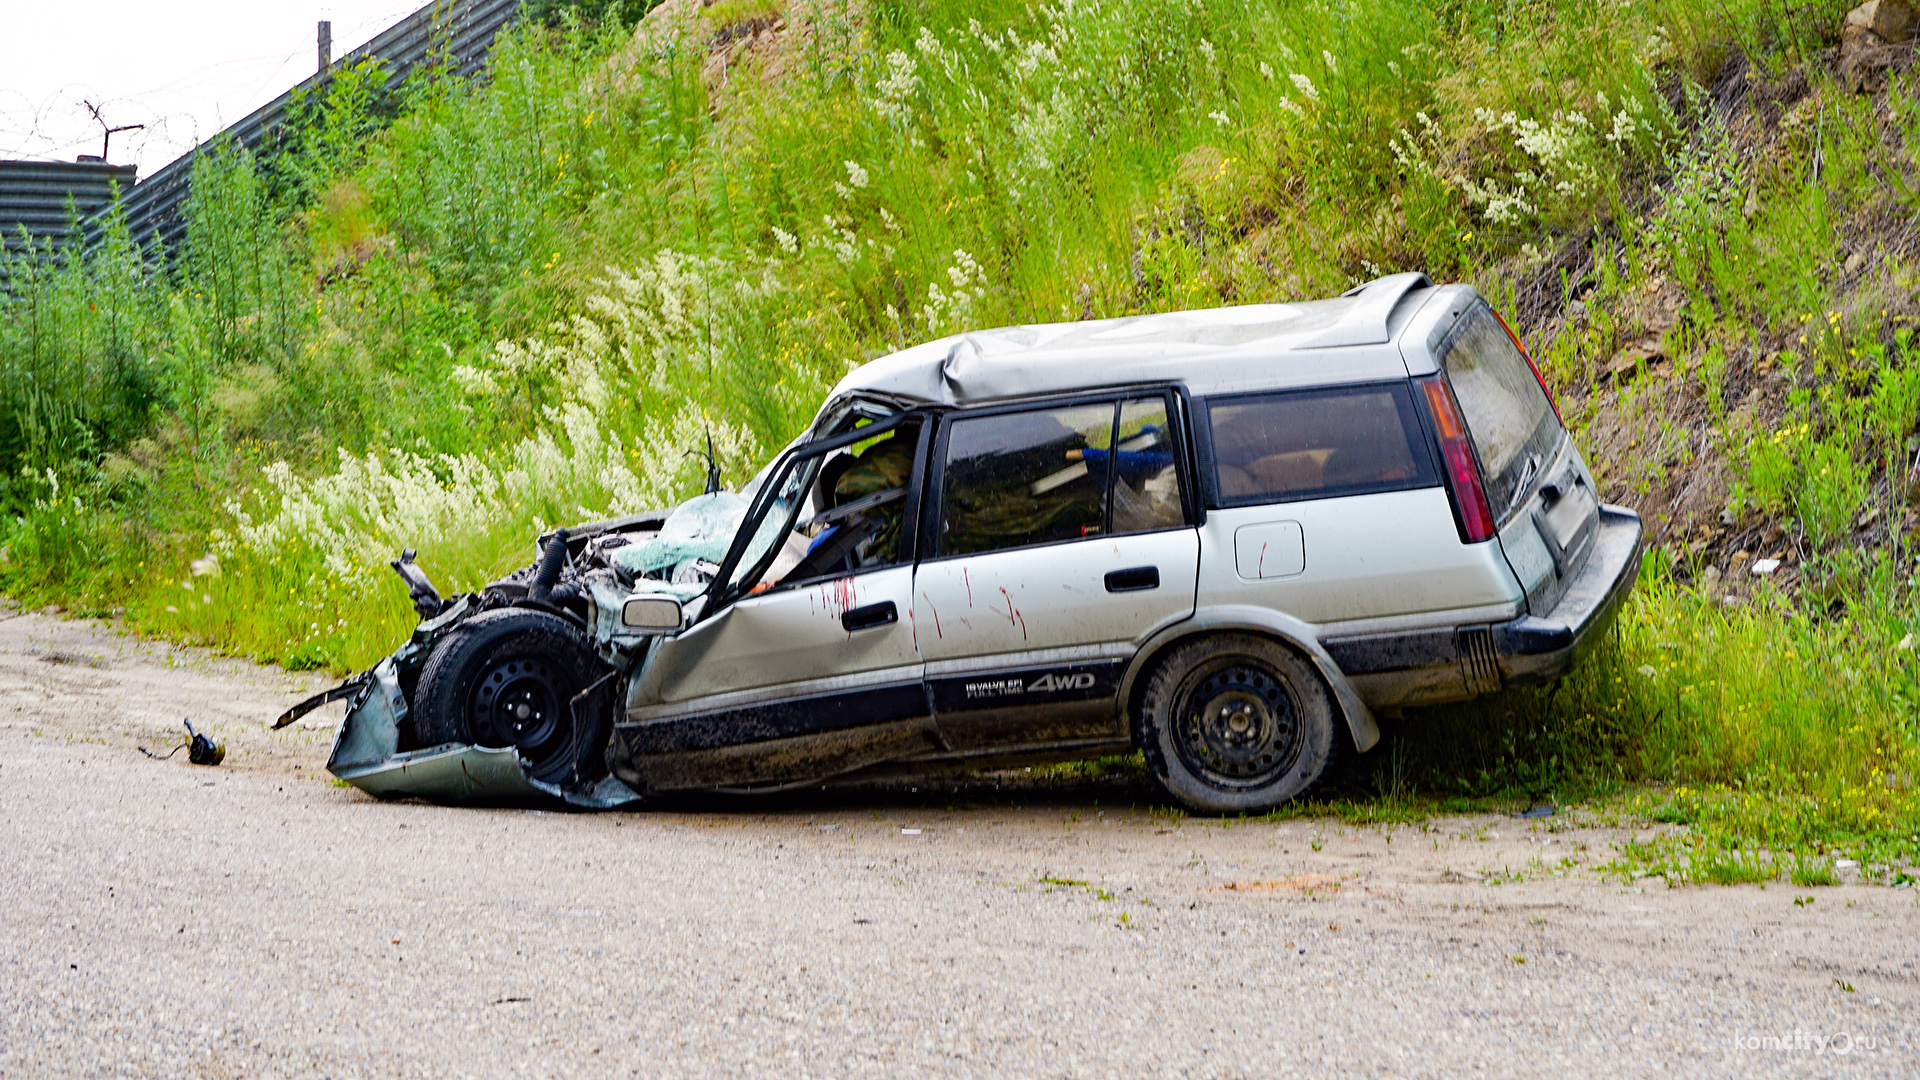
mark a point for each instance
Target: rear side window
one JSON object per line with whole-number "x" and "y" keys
{"x": 1508, "y": 416}
{"x": 1313, "y": 444}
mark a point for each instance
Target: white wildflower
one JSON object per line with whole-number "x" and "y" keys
{"x": 788, "y": 242}
{"x": 897, "y": 87}
{"x": 1044, "y": 136}
{"x": 956, "y": 310}
{"x": 846, "y": 247}
{"x": 1328, "y": 57}
{"x": 964, "y": 270}
{"x": 856, "y": 175}
{"x": 1306, "y": 87}
{"x": 1034, "y": 56}
{"x": 473, "y": 381}
{"x": 642, "y": 320}
{"x": 1624, "y": 128}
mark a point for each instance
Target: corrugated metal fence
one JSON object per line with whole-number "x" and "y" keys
{"x": 459, "y": 33}
{"x": 34, "y": 194}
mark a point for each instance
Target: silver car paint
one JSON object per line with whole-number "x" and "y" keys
{"x": 1367, "y": 557}
{"x": 975, "y": 609}
{"x": 1218, "y": 351}
{"x": 781, "y": 638}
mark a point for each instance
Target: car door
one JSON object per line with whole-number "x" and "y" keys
{"x": 806, "y": 664}
{"x": 1057, "y": 538}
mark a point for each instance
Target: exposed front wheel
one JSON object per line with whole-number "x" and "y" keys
{"x": 508, "y": 678}
{"x": 1238, "y": 724}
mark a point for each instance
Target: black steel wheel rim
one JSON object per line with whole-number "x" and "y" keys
{"x": 522, "y": 703}
{"x": 1236, "y": 725}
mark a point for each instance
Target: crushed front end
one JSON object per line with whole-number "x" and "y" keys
{"x": 530, "y": 720}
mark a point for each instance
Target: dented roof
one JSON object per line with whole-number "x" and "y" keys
{"x": 1219, "y": 350}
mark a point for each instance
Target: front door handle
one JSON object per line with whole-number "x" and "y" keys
{"x": 870, "y": 616}
{"x": 1135, "y": 579}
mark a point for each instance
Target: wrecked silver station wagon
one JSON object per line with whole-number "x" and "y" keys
{"x": 1226, "y": 538}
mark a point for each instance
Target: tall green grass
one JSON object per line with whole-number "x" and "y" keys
{"x": 454, "y": 315}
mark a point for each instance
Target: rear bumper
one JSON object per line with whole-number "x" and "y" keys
{"x": 1532, "y": 649}
{"x": 1427, "y": 667}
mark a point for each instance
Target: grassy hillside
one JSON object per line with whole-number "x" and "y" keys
{"x": 466, "y": 312}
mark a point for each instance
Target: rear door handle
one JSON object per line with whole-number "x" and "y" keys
{"x": 1135, "y": 579}
{"x": 870, "y": 616}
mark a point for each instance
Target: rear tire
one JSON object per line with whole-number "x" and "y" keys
{"x": 507, "y": 678}
{"x": 1238, "y": 725}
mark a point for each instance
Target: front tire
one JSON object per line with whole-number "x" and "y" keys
{"x": 507, "y": 678}
{"x": 1238, "y": 725}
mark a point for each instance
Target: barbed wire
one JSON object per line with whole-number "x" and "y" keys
{"x": 59, "y": 126}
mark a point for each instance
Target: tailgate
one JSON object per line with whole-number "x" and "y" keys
{"x": 1536, "y": 485}
{"x": 1551, "y": 533}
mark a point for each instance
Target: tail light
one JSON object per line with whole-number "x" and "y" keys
{"x": 1531, "y": 366}
{"x": 1471, "y": 511}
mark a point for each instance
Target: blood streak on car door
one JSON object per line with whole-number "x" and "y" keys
{"x": 810, "y": 666}
{"x": 1061, "y": 538}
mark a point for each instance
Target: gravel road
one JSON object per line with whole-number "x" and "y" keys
{"x": 255, "y": 920}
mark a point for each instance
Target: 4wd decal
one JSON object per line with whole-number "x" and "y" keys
{"x": 1078, "y": 682}
{"x": 1045, "y": 684}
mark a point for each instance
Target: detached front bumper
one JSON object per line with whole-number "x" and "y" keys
{"x": 365, "y": 755}
{"x": 1429, "y": 667}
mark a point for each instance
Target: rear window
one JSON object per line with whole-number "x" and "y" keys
{"x": 1508, "y": 416}
{"x": 1310, "y": 444}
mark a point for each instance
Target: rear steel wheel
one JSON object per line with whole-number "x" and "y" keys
{"x": 1238, "y": 724}
{"x": 1235, "y": 724}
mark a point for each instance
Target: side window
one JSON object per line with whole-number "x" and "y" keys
{"x": 1146, "y": 481}
{"x": 829, "y": 513}
{"x": 771, "y": 521}
{"x": 858, "y": 512}
{"x": 1308, "y": 444}
{"x": 1020, "y": 478}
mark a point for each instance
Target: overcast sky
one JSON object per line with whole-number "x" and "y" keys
{"x": 185, "y": 70}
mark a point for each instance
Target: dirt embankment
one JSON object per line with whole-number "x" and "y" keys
{"x": 1640, "y": 397}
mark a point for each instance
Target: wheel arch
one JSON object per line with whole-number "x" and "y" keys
{"x": 1261, "y": 622}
